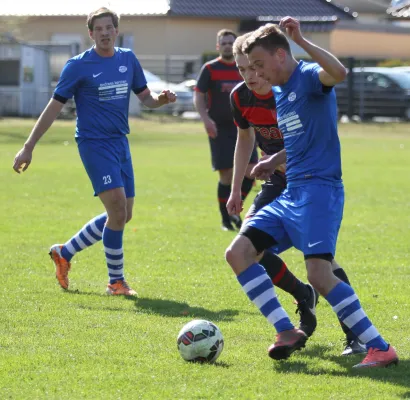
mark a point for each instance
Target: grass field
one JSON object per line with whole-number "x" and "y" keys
{"x": 82, "y": 344}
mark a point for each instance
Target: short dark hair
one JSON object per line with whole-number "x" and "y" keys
{"x": 225, "y": 32}
{"x": 100, "y": 13}
{"x": 239, "y": 41}
{"x": 270, "y": 37}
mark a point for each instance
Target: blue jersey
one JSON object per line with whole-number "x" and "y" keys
{"x": 307, "y": 118}
{"x": 101, "y": 87}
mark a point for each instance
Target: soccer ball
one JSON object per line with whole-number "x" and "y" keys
{"x": 200, "y": 341}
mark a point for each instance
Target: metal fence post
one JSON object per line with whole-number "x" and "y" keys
{"x": 350, "y": 87}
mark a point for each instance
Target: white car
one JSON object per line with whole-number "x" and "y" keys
{"x": 184, "y": 95}
{"x": 402, "y": 69}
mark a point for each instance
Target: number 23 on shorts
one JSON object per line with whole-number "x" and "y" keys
{"x": 106, "y": 179}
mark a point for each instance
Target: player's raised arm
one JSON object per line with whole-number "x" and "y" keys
{"x": 333, "y": 70}
{"x": 48, "y": 116}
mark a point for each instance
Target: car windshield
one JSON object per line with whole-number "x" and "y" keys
{"x": 401, "y": 78}
{"x": 150, "y": 77}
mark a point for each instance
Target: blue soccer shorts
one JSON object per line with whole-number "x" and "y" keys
{"x": 306, "y": 217}
{"x": 108, "y": 164}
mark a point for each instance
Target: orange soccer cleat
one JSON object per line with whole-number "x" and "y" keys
{"x": 120, "y": 288}
{"x": 379, "y": 358}
{"x": 62, "y": 265}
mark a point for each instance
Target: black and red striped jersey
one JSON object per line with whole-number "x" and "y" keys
{"x": 250, "y": 109}
{"x": 217, "y": 79}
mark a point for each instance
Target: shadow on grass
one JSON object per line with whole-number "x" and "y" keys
{"x": 83, "y": 293}
{"x": 171, "y": 308}
{"x": 216, "y": 364}
{"x": 397, "y": 375}
{"x": 164, "y": 307}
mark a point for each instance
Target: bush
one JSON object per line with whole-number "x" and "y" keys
{"x": 394, "y": 63}
{"x": 208, "y": 56}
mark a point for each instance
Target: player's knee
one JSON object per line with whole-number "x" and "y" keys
{"x": 319, "y": 275}
{"x": 117, "y": 212}
{"x": 316, "y": 282}
{"x": 239, "y": 254}
{"x": 119, "y": 216}
{"x": 231, "y": 255}
{"x": 225, "y": 176}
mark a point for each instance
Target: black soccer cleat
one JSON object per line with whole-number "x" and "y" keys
{"x": 227, "y": 226}
{"x": 307, "y": 312}
{"x": 286, "y": 343}
{"x": 237, "y": 221}
{"x": 353, "y": 346}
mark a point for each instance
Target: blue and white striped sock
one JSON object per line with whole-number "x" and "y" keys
{"x": 112, "y": 241}
{"x": 89, "y": 234}
{"x": 259, "y": 288}
{"x": 346, "y": 305}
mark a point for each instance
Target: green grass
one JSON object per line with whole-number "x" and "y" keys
{"x": 82, "y": 344}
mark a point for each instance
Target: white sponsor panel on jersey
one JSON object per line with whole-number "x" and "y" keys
{"x": 113, "y": 90}
{"x": 290, "y": 125}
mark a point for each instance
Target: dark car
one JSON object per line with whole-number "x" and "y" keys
{"x": 377, "y": 92}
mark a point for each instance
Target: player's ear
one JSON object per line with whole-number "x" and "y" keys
{"x": 90, "y": 33}
{"x": 280, "y": 54}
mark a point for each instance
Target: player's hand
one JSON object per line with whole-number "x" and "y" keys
{"x": 292, "y": 28}
{"x": 263, "y": 169}
{"x": 166, "y": 97}
{"x": 22, "y": 160}
{"x": 210, "y": 128}
{"x": 234, "y": 206}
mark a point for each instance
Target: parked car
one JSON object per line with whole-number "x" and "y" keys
{"x": 189, "y": 83}
{"x": 377, "y": 92}
{"x": 184, "y": 94}
{"x": 402, "y": 69}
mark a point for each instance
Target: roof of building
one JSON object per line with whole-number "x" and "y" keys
{"x": 386, "y": 27}
{"x": 82, "y": 8}
{"x": 377, "y": 7}
{"x": 308, "y": 9}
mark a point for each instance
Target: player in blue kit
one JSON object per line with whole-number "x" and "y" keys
{"x": 254, "y": 111}
{"x": 308, "y": 214}
{"x": 101, "y": 80}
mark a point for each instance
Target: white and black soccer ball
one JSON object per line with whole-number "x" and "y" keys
{"x": 200, "y": 341}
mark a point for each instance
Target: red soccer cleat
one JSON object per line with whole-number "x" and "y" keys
{"x": 379, "y": 358}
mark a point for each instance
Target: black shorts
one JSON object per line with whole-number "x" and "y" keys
{"x": 270, "y": 191}
{"x": 223, "y": 148}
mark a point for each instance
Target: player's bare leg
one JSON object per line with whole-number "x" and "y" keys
{"x": 346, "y": 305}
{"x": 257, "y": 285}
{"x": 224, "y": 191}
{"x": 117, "y": 206}
{"x": 352, "y": 344}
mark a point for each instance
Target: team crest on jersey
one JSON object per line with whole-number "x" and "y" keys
{"x": 292, "y": 96}
{"x": 123, "y": 68}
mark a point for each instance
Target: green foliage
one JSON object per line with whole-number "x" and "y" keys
{"x": 82, "y": 344}
{"x": 209, "y": 55}
{"x": 394, "y": 63}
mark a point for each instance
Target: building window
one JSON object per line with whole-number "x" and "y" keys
{"x": 10, "y": 73}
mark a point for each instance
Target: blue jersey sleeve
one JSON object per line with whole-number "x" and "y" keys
{"x": 313, "y": 84}
{"x": 68, "y": 82}
{"x": 139, "y": 82}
